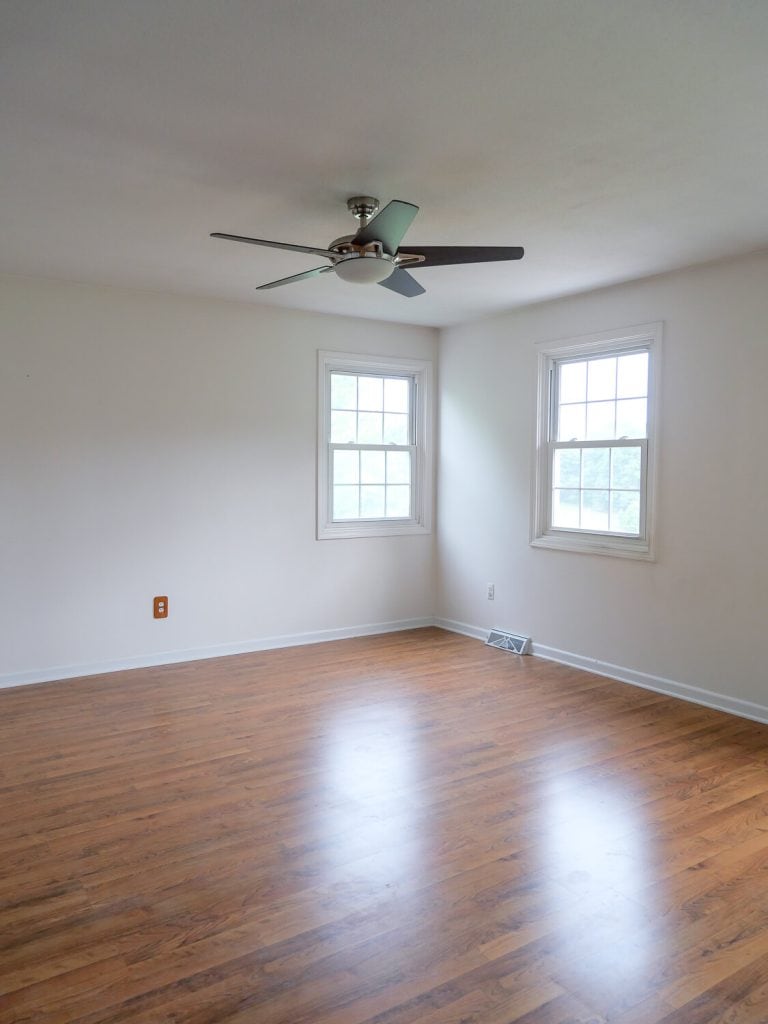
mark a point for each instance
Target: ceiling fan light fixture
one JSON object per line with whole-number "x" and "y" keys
{"x": 364, "y": 268}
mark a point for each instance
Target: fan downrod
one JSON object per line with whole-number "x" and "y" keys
{"x": 363, "y": 207}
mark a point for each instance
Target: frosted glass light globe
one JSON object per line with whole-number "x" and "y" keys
{"x": 364, "y": 269}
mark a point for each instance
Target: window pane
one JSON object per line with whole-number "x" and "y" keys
{"x": 594, "y": 510}
{"x": 565, "y": 508}
{"x": 398, "y": 467}
{"x": 369, "y": 427}
{"x": 395, "y": 428}
{"x": 625, "y": 512}
{"x": 631, "y": 417}
{"x": 346, "y": 467}
{"x": 625, "y": 468}
{"x": 398, "y": 502}
{"x": 372, "y": 502}
{"x": 343, "y": 391}
{"x": 571, "y": 422}
{"x": 343, "y": 427}
{"x": 372, "y": 467}
{"x": 370, "y": 393}
{"x": 600, "y": 420}
{"x": 632, "y": 379}
{"x": 595, "y": 467}
{"x": 573, "y": 382}
{"x": 567, "y": 467}
{"x": 345, "y": 502}
{"x": 395, "y": 394}
{"x": 601, "y": 379}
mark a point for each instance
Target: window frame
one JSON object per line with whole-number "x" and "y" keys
{"x": 421, "y": 373}
{"x": 604, "y": 344}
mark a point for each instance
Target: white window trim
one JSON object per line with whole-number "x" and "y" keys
{"x": 421, "y": 371}
{"x": 542, "y": 536}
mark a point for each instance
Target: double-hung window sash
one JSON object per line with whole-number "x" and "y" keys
{"x": 371, "y": 447}
{"x": 597, "y": 460}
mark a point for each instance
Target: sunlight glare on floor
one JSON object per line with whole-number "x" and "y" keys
{"x": 370, "y": 765}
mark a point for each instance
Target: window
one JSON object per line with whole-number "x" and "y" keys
{"x": 374, "y": 471}
{"x": 595, "y": 448}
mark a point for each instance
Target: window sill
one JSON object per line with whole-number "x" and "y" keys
{"x": 619, "y": 547}
{"x": 346, "y": 531}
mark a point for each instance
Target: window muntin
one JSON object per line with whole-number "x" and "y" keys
{"x": 595, "y": 449}
{"x": 374, "y": 445}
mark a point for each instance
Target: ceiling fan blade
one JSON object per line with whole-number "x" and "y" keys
{"x": 275, "y": 245}
{"x": 296, "y": 277}
{"x": 388, "y": 227}
{"x": 401, "y": 282}
{"x": 448, "y": 255}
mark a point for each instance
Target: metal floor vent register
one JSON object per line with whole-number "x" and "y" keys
{"x": 508, "y": 641}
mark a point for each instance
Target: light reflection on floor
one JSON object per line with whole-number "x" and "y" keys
{"x": 594, "y": 838}
{"x": 585, "y": 843}
{"x": 594, "y": 843}
{"x": 370, "y": 764}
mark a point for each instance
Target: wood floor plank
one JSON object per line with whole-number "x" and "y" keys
{"x": 405, "y": 829}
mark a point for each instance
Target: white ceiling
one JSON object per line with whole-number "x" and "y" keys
{"x": 612, "y": 138}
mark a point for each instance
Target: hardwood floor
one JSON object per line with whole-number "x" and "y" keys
{"x": 391, "y": 830}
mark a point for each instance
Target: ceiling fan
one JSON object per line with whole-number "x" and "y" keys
{"x": 373, "y": 255}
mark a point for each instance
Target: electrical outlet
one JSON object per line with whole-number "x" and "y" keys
{"x": 491, "y": 591}
{"x": 160, "y": 607}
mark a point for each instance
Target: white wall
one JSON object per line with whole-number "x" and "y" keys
{"x": 156, "y": 444}
{"x": 698, "y": 615}
{"x": 153, "y": 444}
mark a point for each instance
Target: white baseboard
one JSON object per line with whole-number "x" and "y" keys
{"x": 669, "y": 687}
{"x": 267, "y": 643}
{"x": 462, "y": 627}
